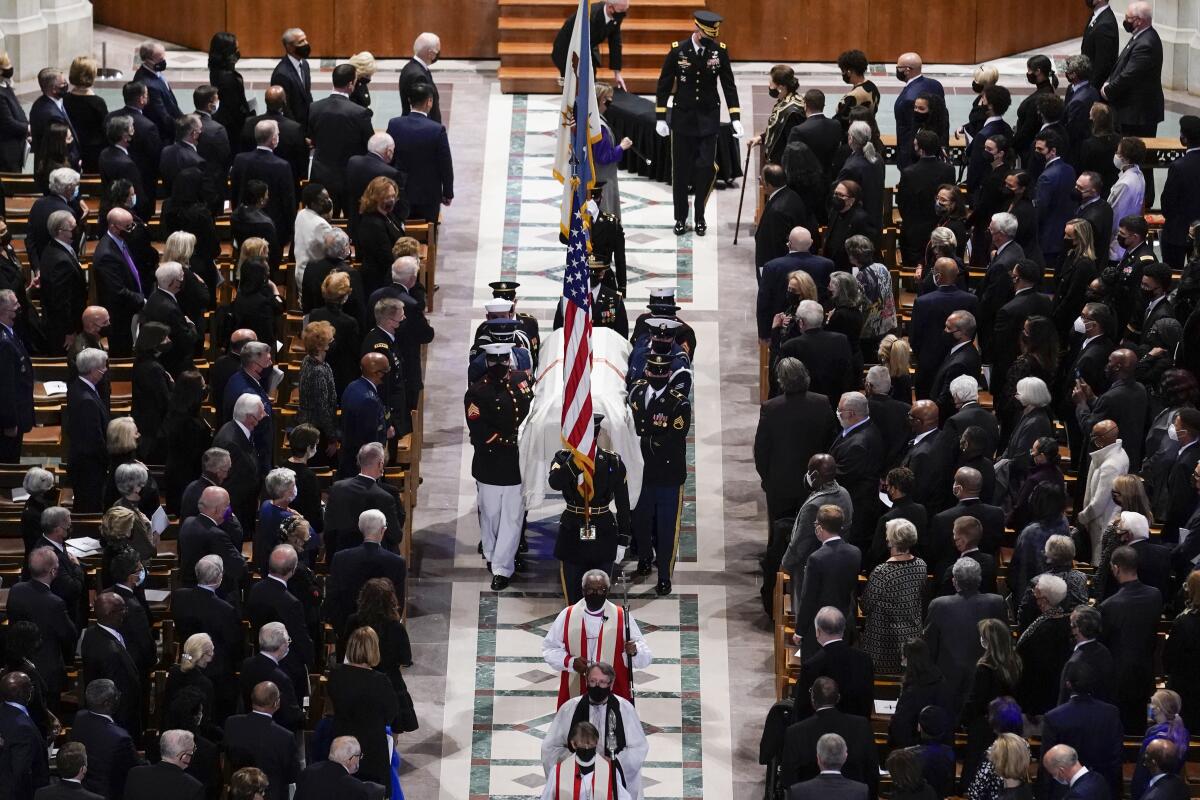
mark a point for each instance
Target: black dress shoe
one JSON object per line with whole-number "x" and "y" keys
{"x": 663, "y": 588}
{"x": 644, "y": 567}
{"x": 519, "y": 564}
{"x": 479, "y": 548}
{"x": 680, "y": 227}
{"x": 499, "y": 583}
{"x": 523, "y": 547}
{"x": 701, "y": 227}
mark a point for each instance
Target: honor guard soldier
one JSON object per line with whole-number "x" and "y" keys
{"x": 691, "y": 71}
{"x": 497, "y": 308}
{"x": 662, "y": 417}
{"x": 501, "y": 331}
{"x": 526, "y": 323}
{"x": 1124, "y": 279}
{"x": 661, "y": 342}
{"x": 496, "y": 405}
{"x": 608, "y": 241}
{"x": 608, "y": 307}
{"x": 389, "y": 313}
{"x": 589, "y": 536}
{"x": 662, "y": 306}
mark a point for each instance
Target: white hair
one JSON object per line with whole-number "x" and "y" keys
{"x": 405, "y": 267}
{"x": 811, "y": 314}
{"x": 380, "y": 143}
{"x": 129, "y": 477}
{"x": 879, "y": 380}
{"x": 595, "y": 573}
{"x": 62, "y": 179}
{"x": 279, "y": 481}
{"x": 860, "y": 136}
{"x": 1052, "y": 587}
{"x": 246, "y": 405}
{"x": 167, "y": 273}
{"x": 964, "y": 389}
{"x": 425, "y": 40}
{"x": 56, "y": 220}
{"x": 1005, "y": 223}
{"x": 1136, "y": 525}
{"x": 337, "y": 243}
{"x": 372, "y": 523}
{"x": 856, "y": 403}
{"x": 1032, "y": 391}
{"x": 831, "y": 748}
{"x": 265, "y": 130}
{"x": 210, "y": 570}
{"x": 38, "y": 480}
{"x": 272, "y": 636}
{"x": 90, "y": 359}
{"x": 174, "y": 743}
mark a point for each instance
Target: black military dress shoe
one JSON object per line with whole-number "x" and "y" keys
{"x": 500, "y": 583}
{"x": 644, "y": 567}
{"x": 701, "y": 227}
{"x": 680, "y": 227}
{"x": 663, "y": 588}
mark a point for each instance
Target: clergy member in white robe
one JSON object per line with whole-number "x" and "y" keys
{"x": 584, "y": 775}
{"x": 621, "y": 738}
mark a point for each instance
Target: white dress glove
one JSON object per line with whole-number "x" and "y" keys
{"x": 620, "y": 553}
{"x": 661, "y": 128}
{"x": 738, "y": 130}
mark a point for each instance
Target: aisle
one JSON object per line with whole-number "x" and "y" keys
{"x": 702, "y": 699}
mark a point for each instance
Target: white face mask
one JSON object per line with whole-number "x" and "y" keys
{"x": 1118, "y": 162}
{"x": 1172, "y": 432}
{"x": 809, "y": 479}
{"x": 292, "y": 497}
{"x": 312, "y": 451}
{"x": 1079, "y": 326}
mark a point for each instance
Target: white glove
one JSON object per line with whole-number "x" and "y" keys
{"x": 620, "y": 553}
{"x": 661, "y": 128}
{"x": 738, "y": 130}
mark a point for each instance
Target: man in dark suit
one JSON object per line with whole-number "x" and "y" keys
{"x": 349, "y": 497}
{"x": 14, "y": 125}
{"x": 889, "y": 414}
{"x": 265, "y": 666}
{"x": 63, "y": 183}
{"x": 163, "y": 108}
{"x": 822, "y": 134}
{"x": 292, "y": 73}
{"x": 792, "y": 427}
{"x": 388, "y": 314}
{"x": 997, "y": 287}
{"x": 245, "y": 476}
{"x": 334, "y": 777}
{"x": 116, "y": 163}
{"x": 414, "y": 330}
{"x": 800, "y": 741}
{"x": 270, "y": 601}
{"x": 849, "y": 667}
{"x": 1134, "y": 87}
{"x": 898, "y": 486}
{"x": 201, "y": 535}
{"x": 292, "y": 147}
{"x": 1178, "y": 493}
{"x": 603, "y": 26}
{"x": 917, "y": 192}
{"x": 938, "y": 545}
{"x": 63, "y": 283}
{"x": 16, "y": 382}
{"x": 339, "y": 128}
{"x": 416, "y": 70}
{"x": 967, "y": 534}
{"x": 185, "y": 154}
{"x": 924, "y": 457}
{"x": 1010, "y": 318}
{"x": 1052, "y": 196}
{"x": 783, "y": 211}
{"x": 996, "y": 101}
{"x": 962, "y": 359}
{"x": 352, "y": 567}
{"x": 952, "y": 628}
{"x": 1154, "y": 560}
{"x": 1095, "y": 210}
{"x": 1081, "y": 95}
{"x": 126, "y": 570}
{"x": 826, "y": 354}
{"x": 262, "y": 164}
{"x": 147, "y": 144}
{"x": 213, "y": 145}
{"x": 1162, "y": 762}
{"x": 1086, "y": 362}
{"x": 86, "y": 427}
{"x": 908, "y": 69}
{"x": 930, "y": 317}
{"x": 254, "y": 739}
{"x": 72, "y": 764}
{"x": 969, "y": 414}
{"x": 201, "y": 609}
{"x": 1125, "y": 402}
{"x": 48, "y": 107}
{"x": 167, "y": 778}
{"x": 34, "y": 601}
{"x": 830, "y": 576}
{"x": 1091, "y": 726}
{"x": 365, "y": 413}
{"x": 1157, "y": 306}
{"x": 830, "y": 783}
{"x": 109, "y": 746}
{"x": 1130, "y": 620}
{"x": 118, "y": 284}
{"x": 24, "y": 765}
{"x": 1180, "y": 207}
{"x": 375, "y": 163}
{"x": 773, "y": 295}
{"x": 1100, "y": 40}
{"x": 162, "y": 305}
{"x": 104, "y": 655}
{"x": 1062, "y": 763}
{"x": 858, "y": 451}
{"x": 1086, "y": 627}
{"x": 423, "y": 154}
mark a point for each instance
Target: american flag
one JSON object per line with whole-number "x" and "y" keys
{"x": 577, "y": 342}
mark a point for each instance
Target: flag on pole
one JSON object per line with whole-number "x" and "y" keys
{"x": 578, "y": 103}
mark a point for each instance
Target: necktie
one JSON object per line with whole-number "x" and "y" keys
{"x": 129, "y": 260}
{"x": 307, "y": 76}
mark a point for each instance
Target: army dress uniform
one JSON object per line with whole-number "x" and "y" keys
{"x": 608, "y": 307}
{"x": 661, "y": 343}
{"x": 495, "y": 408}
{"x": 590, "y": 543}
{"x": 1124, "y": 280}
{"x": 691, "y": 72}
{"x": 393, "y": 392}
{"x": 662, "y": 418}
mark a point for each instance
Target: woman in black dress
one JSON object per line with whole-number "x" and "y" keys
{"x": 234, "y": 110}
{"x": 189, "y": 672}
{"x": 303, "y": 440}
{"x": 379, "y": 609}
{"x": 152, "y": 387}
{"x": 1073, "y": 274}
{"x": 1038, "y": 359}
{"x": 846, "y": 317}
{"x": 257, "y": 303}
{"x": 87, "y": 111}
{"x": 989, "y": 198}
{"x": 787, "y": 113}
{"x": 189, "y": 435}
{"x": 997, "y": 674}
{"x": 200, "y": 280}
{"x": 923, "y": 685}
{"x": 295, "y": 531}
{"x": 1018, "y": 188}
{"x": 123, "y": 438}
{"x": 364, "y": 704}
{"x": 21, "y": 642}
{"x": 847, "y": 218}
{"x": 364, "y": 70}
{"x": 376, "y": 232}
{"x": 1182, "y": 653}
{"x": 895, "y": 354}
{"x": 53, "y": 153}
{"x": 186, "y": 712}
{"x": 1039, "y": 71}
{"x": 343, "y": 354}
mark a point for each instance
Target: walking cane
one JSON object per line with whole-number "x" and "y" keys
{"x": 625, "y": 609}
{"x": 742, "y": 199}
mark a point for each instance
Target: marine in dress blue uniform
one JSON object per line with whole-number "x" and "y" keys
{"x": 526, "y": 323}
{"x": 691, "y": 71}
{"x": 662, "y": 417}
{"x": 500, "y": 331}
{"x": 661, "y": 342}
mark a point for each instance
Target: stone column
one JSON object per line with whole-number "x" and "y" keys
{"x": 24, "y": 36}
{"x": 1178, "y": 24}
{"x": 68, "y": 30}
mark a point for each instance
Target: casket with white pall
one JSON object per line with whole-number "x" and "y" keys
{"x": 541, "y": 435}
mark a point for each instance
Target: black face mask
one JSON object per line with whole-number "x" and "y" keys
{"x": 62, "y": 92}
{"x": 900, "y": 76}
{"x": 657, "y": 381}
{"x": 160, "y": 66}
{"x": 1077, "y": 195}
{"x": 707, "y": 42}
{"x": 1093, "y": 297}
{"x": 598, "y": 694}
{"x": 920, "y": 117}
{"x": 303, "y": 50}
{"x": 595, "y": 602}
{"x": 662, "y": 346}
{"x": 1127, "y": 25}
{"x": 976, "y": 87}
{"x": 1068, "y": 244}
{"x": 585, "y": 753}
{"x": 1031, "y": 77}
{"x": 1147, "y": 295}
{"x": 793, "y": 301}
{"x": 497, "y": 371}
{"x": 7, "y": 73}
{"x": 773, "y": 91}
{"x": 1122, "y": 240}
{"x": 104, "y": 331}
{"x": 618, "y": 16}
{"x": 6, "y": 240}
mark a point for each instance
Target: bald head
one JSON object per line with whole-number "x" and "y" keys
{"x": 119, "y": 219}
{"x": 265, "y": 697}
{"x": 110, "y": 609}
{"x": 923, "y": 416}
{"x": 910, "y": 62}
{"x": 946, "y": 271}
{"x": 1162, "y": 756}
{"x": 1104, "y": 433}
{"x": 1122, "y": 363}
{"x": 94, "y": 318}
{"x": 969, "y": 480}
{"x": 275, "y": 98}
{"x": 823, "y": 468}
{"x": 16, "y": 687}
{"x": 374, "y": 366}
{"x": 800, "y": 240}
{"x": 213, "y": 502}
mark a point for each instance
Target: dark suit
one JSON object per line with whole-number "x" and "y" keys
{"x": 292, "y": 147}
{"x": 773, "y": 283}
{"x": 1052, "y": 198}
{"x": 258, "y": 668}
{"x": 364, "y": 420}
{"x": 16, "y": 393}
{"x": 915, "y": 196}
{"x": 930, "y": 467}
{"x": 118, "y": 164}
{"x": 830, "y": 579}
{"x": 423, "y": 154}
{"x": 111, "y": 753}
{"x": 145, "y": 149}
{"x": 1134, "y": 87}
{"x": 1099, "y": 44}
{"x": 347, "y": 499}
{"x": 791, "y": 429}
{"x": 66, "y": 789}
{"x": 963, "y": 361}
{"x": 1130, "y": 620}
{"x": 850, "y": 668}
{"x": 1126, "y": 403}
{"x": 24, "y": 765}
{"x": 891, "y": 418}
{"x": 987, "y": 570}
{"x": 829, "y": 360}
{"x": 995, "y": 291}
{"x": 37, "y": 234}
{"x": 244, "y": 480}
{"x": 198, "y": 610}
{"x": 41, "y": 114}
{"x": 823, "y": 136}
{"x": 412, "y": 72}
{"x": 162, "y": 306}
{"x": 351, "y": 568}
{"x": 1095, "y": 654}
{"x": 214, "y": 146}
{"x": 600, "y": 29}
{"x": 162, "y": 109}
{"x": 799, "y": 755}
{"x": 973, "y": 415}
{"x": 979, "y": 165}
{"x": 242, "y": 382}
{"x": 326, "y": 779}
{"x": 828, "y": 787}
{"x": 859, "y": 455}
{"x": 938, "y": 547}
{"x": 1180, "y": 207}
{"x": 1180, "y": 492}
{"x": 1099, "y": 215}
{"x": 14, "y": 129}
{"x": 256, "y": 740}
{"x": 1168, "y": 787}
{"x": 903, "y": 508}
{"x": 270, "y": 601}
{"x": 176, "y": 158}
{"x": 260, "y": 164}
{"x": 105, "y": 657}
{"x": 139, "y": 640}
{"x": 339, "y": 128}
{"x": 119, "y": 289}
{"x": 156, "y": 781}
{"x": 360, "y": 171}
{"x": 1079, "y": 125}
{"x": 297, "y": 87}
{"x": 64, "y": 294}
{"x": 926, "y": 329}
{"x": 201, "y": 536}
{"x": 783, "y": 211}
{"x": 1093, "y": 728}
{"x": 87, "y": 455}
{"x": 1009, "y": 323}
{"x": 951, "y": 629}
